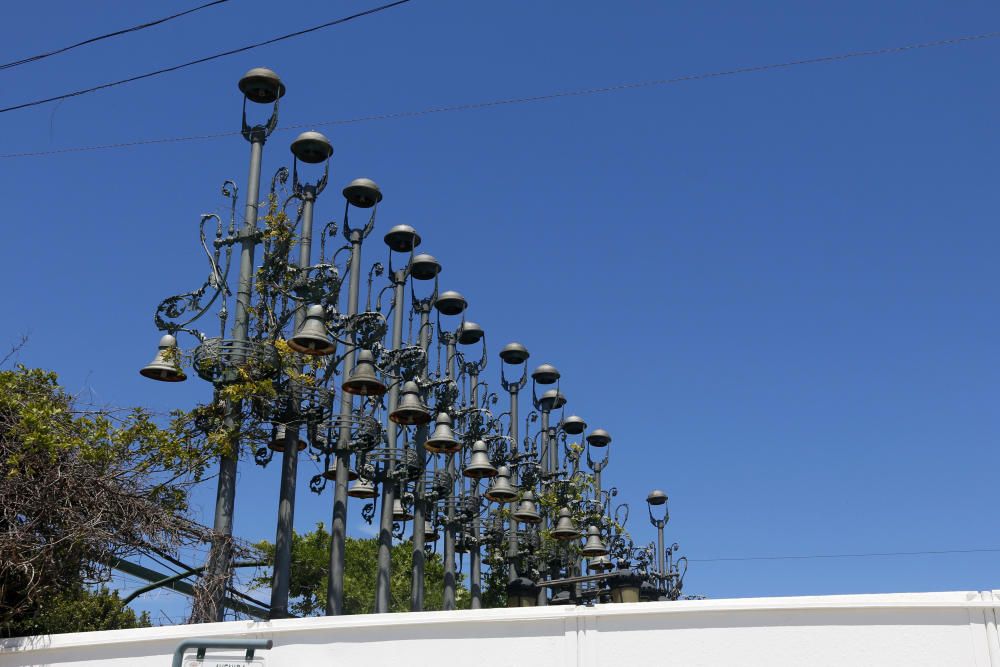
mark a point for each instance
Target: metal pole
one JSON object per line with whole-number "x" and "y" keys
{"x": 512, "y": 537}
{"x": 417, "y": 575}
{"x": 543, "y": 599}
{"x": 662, "y": 554}
{"x": 225, "y": 497}
{"x": 290, "y": 456}
{"x": 383, "y": 590}
{"x": 338, "y": 526}
{"x": 449, "y": 529}
{"x": 475, "y": 557}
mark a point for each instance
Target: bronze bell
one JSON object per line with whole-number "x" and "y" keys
{"x": 501, "y": 490}
{"x": 312, "y": 147}
{"x": 527, "y": 512}
{"x": 430, "y": 533}
{"x": 363, "y": 380}
{"x": 400, "y": 513}
{"x": 551, "y": 400}
{"x": 593, "y": 547}
{"x": 451, "y": 303}
{"x": 599, "y": 438}
{"x": 363, "y": 488}
{"x": 331, "y": 472}
{"x": 573, "y": 425}
{"x": 165, "y": 366}
{"x": 545, "y": 374}
{"x": 277, "y": 442}
{"x": 599, "y": 564}
{"x": 311, "y": 337}
{"x": 565, "y": 528}
{"x": 479, "y": 463}
{"x": 442, "y": 440}
{"x": 261, "y": 85}
{"x": 411, "y": 410}
{"x": 363, "y": 193}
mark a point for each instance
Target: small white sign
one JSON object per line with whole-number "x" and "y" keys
{"x": 231, "y": 661}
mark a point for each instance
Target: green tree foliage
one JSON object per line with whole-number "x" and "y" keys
{"x": 80, "y": 610}
{"x": 311, "y": 560}
{"x": 79, "y": 487}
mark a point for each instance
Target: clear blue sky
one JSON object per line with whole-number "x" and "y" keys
{"x": 778, "y": 291}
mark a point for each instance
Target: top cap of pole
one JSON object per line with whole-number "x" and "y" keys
{"x": 262, "y": 85}
{"x": 363, "y": 193}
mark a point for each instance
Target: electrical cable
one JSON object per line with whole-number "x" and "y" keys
{"x": 860, "y": 555}
{"x": 524, "y": 100}
{"x": 135, "y": 28}
{"x": 206, "y": 59}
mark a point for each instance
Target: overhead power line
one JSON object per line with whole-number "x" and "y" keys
{"x": 579, "y": 92}
{"x": 135, "y": 28}
{"x": 860, "y": 555}
{"x": 216, "y": 56}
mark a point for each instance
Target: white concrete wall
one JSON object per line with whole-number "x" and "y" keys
{"x": 933, "y": 629}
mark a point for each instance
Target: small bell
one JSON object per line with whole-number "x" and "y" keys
{"x": 501, "y": 490}
{"x": 363, "y": 488}
{"x": 400, "y": 513}
{"x": 363, "y": 193}
{"x": 599, "y": 564}
{"x": 363, "y": 380}
{"x": 331, "y": 472}
{"x": 411, "y": 410}
{"x": 479, "y": 464}
{"x": 593, "y": 547}
{"x": 527, "y": 512}
{"x": 599, "y": 438}
{"x": 430, "y": 533}
{"x": 442, "y": 440}
{"x": 277, "y": 443}
{"x": 565, "y": 528}
{"x": 165, "y": 366}
{"x": 311, "y": 338}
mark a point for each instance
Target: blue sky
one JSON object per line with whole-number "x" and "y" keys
{"x": 777, "y": 290}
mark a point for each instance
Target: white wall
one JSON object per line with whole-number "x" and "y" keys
{"x": 933, "y": 629}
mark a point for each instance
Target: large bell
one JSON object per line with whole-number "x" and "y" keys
{"x": 565, "y": 528}
{"x": 593, "y": 547}
{"x": 501, "y": 490}
{"x": 410, "y": 410}
{"x": 311, "y": 338}
{"x": 514, "y": 353}
{"x": 165, "y": 366}
{"x": 451, "y": 303}
{"x": 470, "y": 333}
{"x": 424, "y": 267}
{"x": 599, "y": 438}
{"x": 363, "y": 488}
{"x": 479, "y": 463}
{"x": 363, "y": 193}
{"x": 278, "y": 435}
{"x": 442, "y": 440}
{"x": 331, "y": 472}
{"x": 402, "y": 238}
{"x": 526, "y": 511}
{"x": 545, "y": 374}
{"x": 573, "y": 425}
{"x": 261, "y": 85}
{"x": 400, "y": 513}
{"x": 553, "y": 399}
{"x": 363, "y": 380}
{"x": 600, "y": 564}
{"x": 312, "y": 147}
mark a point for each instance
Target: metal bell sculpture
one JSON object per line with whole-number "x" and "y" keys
{"x": 363, "y": 488}
{"x": 277, "y": 442}
{"x": 331, "y": 472}
{"x": 411, "y": 410}
{"x": 442, "y": 440}
{"x": 399, "y": 512}
{"x": 501, "y": 490}
{"x": 526, "y": 511}
{"x": 593, "y": 547}
{"x": 600, "y": 564}
{"x": 363, "y": 380}
{"x": 479, "y": 464}
{"x": 565, "y": 528}
{"x": 165, "y": 366}
{"x": 311, "y": 338}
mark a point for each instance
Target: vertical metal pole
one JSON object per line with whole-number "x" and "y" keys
{"x": 225, "y": 497}
{"x": 475, "y": 557}
{"x": 338, "y": 526}
{"x": 512, "y": 537}
{"x": 417, "y": 575}
{"x": 449, "y": 530}
{"x": 290, "y": 457}
{"x": 543, "y": 599}
{"x": 383, "y": 591}
{"x": 662, "y": 556}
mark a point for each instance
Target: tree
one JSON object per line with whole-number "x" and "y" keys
{"x": 79, "y": 610}
{"x": 79, "y": 488}
{"x": 311, "y": 559}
